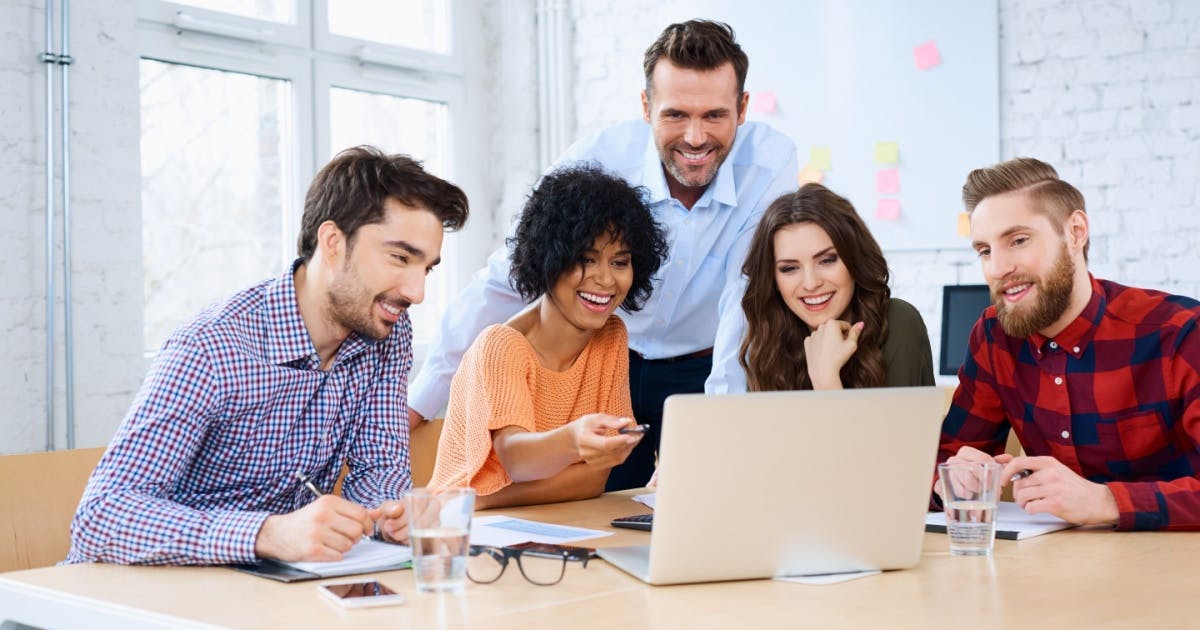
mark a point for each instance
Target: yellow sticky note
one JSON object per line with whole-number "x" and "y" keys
{"x": 810, "y": 175}
{"x": 964, "y": 224}
{"x": 887, "y": 153}
{"x": 820, "y": 158}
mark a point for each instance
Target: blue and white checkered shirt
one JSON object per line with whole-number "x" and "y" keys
{"x": 233, "y": 407}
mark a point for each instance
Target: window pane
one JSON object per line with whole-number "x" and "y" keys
{"x": 401, "y": 125}
{"x": 420, "y": 24}
{"x": 215, "y": 181}
{"x": 273, "y": 10}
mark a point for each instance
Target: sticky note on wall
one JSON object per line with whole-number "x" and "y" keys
{"x": 820, "y": 158}
{"x": 888, "y": 210}
{"x": 887, "y": 153}
{"x": 887, "y": 181}
{"x": 763, "y": 102}
{"x": 927, "y": 55}
{"x": 964, "y": 224}
{"x": 810, "y": 175}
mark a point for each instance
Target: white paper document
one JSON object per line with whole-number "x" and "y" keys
{"x": 646, "y": 499}
{"x": 827, "y": 578}
{"x": 499, "y": 531}
{"x": 1012, "y": 523}
{"x": 367, "y": 556}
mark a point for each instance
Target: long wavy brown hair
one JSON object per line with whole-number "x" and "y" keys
{"x": 772, "y": 352}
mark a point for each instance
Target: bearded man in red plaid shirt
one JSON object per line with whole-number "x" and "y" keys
{"x": 1100, "y": 381}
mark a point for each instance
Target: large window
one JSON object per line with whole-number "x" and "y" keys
{"x": 241, "y": 102}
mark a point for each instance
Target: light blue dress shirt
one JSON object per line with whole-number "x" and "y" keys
{"x": 697, "y": 296}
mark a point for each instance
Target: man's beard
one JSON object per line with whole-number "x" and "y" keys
{"x": 690, "y": 178}
{"x": 1053, "y": 298}
{"x": 347, "y": 299}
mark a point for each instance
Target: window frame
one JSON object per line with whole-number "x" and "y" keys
{"x": 314, "y": 61}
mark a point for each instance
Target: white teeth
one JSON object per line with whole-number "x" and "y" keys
{"x": 595, "y": 299}
{"x": 694, "y": 156}
{"x": 1017, "y": 289}
{"x": 813, "y": 301}
{"x": 389, "y": 308}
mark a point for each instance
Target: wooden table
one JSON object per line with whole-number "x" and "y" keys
{"x": 1075, "y": 578}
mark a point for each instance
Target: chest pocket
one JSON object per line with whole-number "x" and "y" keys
{"x": 1143, "y": 435}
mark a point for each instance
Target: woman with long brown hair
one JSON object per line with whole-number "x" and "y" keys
{"x": 819, "y": 312}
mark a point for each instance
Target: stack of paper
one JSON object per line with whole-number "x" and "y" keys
{"x": 365, "y": 557}
{"x": 1012, "y": 523}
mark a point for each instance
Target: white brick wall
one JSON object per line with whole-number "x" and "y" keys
{"x": 106, "y": 236}
{"x": 1107, "y": 91}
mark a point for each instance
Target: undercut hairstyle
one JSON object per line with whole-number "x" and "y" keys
{"x": 564, "y": 215}
{"x": 772, "y": 352}
{"x": 1037, "y": 180}
{"x": 351, "y": 189}
{"x": 697, "y": 45}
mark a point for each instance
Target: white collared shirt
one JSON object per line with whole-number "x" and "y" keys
{"x": 696, "y": 303}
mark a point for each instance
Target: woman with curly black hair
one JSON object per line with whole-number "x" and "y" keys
{"x": 537, "y": 402}
{"x": 819, "y": 313}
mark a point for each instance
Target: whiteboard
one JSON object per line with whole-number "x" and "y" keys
{"x": 845, "y": 77}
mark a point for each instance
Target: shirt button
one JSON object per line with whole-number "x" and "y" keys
{"x": 1075, "y": 349}
{"x": 1058, "y": 380}
{"x": 1053, "y": 344}
{"x": 1066, "y": 434}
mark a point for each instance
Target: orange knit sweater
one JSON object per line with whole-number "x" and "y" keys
{"x": 501, "y": 383}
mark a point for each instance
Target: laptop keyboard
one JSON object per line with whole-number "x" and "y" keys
{"x": 637, "y": 521}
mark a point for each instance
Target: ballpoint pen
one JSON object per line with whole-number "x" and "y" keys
{"x": 307, "y": 483}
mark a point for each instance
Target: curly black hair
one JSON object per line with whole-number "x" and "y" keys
{"x": 564, "y": 215}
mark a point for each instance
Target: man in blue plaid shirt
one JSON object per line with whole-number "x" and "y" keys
{"x": 295, "y": 375}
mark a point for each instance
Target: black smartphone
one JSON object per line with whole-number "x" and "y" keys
{"x": 549, "y": 550}
{"x": 637, "y": 428}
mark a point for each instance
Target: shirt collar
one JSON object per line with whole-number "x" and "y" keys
{"x": 1075, "y": 338}
{"x": 286, "y": 338}
{"x": 722, "y": 189}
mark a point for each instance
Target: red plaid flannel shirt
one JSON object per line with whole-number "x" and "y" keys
{"x": 1115, "y": 397}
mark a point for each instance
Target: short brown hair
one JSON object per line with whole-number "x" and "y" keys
{"x": 698, "y": 45}
{"x": 351, "y": 189}
{"x": 1038, "y": 180}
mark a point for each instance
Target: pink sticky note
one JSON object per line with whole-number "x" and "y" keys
{"x": 888, "y": 209}
{"x": 887, "y": 181}
{"x": 763, "y": 102}
{"x": 927, "y": 55}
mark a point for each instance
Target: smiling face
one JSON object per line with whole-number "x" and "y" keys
{"x": 694, "y": 115}
{"x": 1033, "y": 267}
{"x": 384, "y": 270}
{"x": 589, "y": 293}
{"x": 810, "y": 275}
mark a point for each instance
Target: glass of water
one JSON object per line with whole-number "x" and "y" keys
{"x": 439, "y": 523}
{"x": 970, "y": 496}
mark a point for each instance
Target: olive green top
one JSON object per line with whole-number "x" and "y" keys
{"x": 906, "y": 350}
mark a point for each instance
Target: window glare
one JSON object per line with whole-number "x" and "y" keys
{"x": 215, "y": 182}
{"x": 272, "y": 10}
{"x": 420, "y": 24}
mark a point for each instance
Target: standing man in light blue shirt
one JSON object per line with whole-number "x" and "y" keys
{"x": 709, "y": 176}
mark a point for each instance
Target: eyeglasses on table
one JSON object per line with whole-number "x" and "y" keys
{"x": 543, "y": 566}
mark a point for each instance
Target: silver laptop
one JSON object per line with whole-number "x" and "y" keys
{"x": 789, "y": 483}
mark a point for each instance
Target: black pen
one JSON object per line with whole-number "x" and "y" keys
{"x": 307, "y": 483}
{"x": 637, "y": 428}
{"x": 1021, "y": 475}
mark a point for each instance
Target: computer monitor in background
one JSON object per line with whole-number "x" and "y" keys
{"x": 962, "y": 304}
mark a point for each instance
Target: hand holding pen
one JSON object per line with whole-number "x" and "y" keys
{"x": 321, "y": 531}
